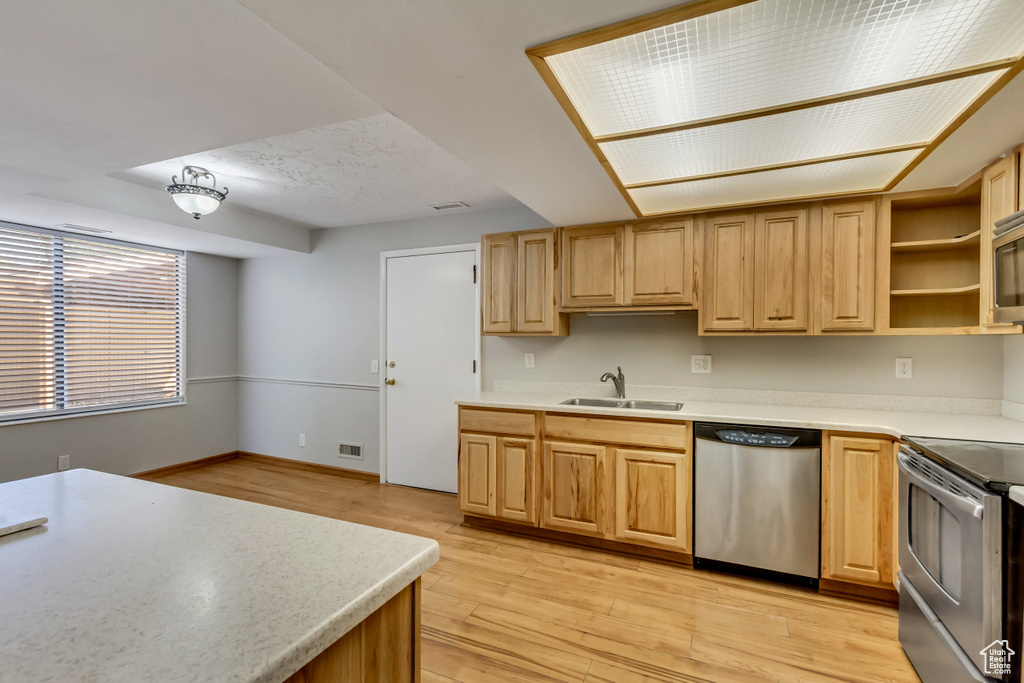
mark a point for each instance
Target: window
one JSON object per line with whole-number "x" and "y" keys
{"x": 87, "y": 324}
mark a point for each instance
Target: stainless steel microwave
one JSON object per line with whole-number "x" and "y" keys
{"x": 1008, "y": 273}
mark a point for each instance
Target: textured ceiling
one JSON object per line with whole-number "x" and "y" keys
{"x": 367, "y": 170}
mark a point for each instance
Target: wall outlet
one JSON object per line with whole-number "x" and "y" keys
{"x": 63, "y": 463}
{"x": 374, "y": 366}
{"x": 531, "y": 360}
{"x": 302, "y": 440}
{"x": 904, "y": 368}
{"x": 700, "y": 365}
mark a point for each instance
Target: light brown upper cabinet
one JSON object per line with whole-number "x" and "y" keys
{"x": 728, "y": 297}
{"x": 998, "y": 200}
{"x": 755, "y": 272}
{"x": 659, "y": 264}
{"x": 847, "y": 298}
{"x": 780, "y": 271}
{"x": 520, "y": 271}
{"x": 593, "y": 266}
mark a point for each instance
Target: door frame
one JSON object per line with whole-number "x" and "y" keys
{"x": 382, "y": 363}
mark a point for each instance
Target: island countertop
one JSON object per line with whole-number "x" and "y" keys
{"x": 132, "y": 580}
{"x": 894, "y": 423}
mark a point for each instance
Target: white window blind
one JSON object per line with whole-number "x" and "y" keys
{"x": 87, "y": 324}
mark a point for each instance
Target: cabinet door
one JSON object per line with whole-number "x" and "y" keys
{"x": 517, "y": 476}
{"x": 998, "y": 200}
{"x": 575, "y": 495}
{"x": 728, "y": 299}
{"x": 857, "y": 508}
{"x": 848, "y": 267}
{"x": 659, "y": 264}
{"x": 780, "y": 271}
{"x": 592, "y": 267}
{"x": 535, "y": 281}
{"x": 652, "y": 498}
{"x": 478, "y": 482}
{"x": 498, "y": 283}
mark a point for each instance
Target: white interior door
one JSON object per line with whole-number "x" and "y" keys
{"x": 431, "y": 337}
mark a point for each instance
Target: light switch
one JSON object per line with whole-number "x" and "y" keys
{"x": 374, "y": 366}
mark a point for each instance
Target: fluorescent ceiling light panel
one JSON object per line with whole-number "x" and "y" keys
{"x": 850, "y": 176}
{"x": 913, "y": 116}
{"x": 780, "y": 82}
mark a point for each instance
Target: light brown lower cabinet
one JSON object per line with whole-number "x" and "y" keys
{"x": 652, "y": 498}
{"x": 575, "y": 488}
{"x": 857, "y": 524}
{"x": 497, "y": 477}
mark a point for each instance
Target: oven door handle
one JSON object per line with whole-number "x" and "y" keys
{"x": 947, "y": 498}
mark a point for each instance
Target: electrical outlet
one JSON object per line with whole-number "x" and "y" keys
{"x": 63, "y": 463}
{"x": 374, "y": 366}
{"x": 302, "y": 440}
{"x": 700, "y": 364}
{"x": 904, "y": 368}
{"x": 531, "y": 360}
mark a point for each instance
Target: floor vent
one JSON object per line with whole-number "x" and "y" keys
{"x": 352, "y": 451}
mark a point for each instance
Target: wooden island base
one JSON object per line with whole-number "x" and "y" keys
{"x": 384, "y": 648}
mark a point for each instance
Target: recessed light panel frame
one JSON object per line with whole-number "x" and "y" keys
{"x": 745, "y": 90}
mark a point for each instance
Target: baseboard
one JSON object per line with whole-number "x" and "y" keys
{"x": 620, "y": 548}
{"x": 855, "y": 591}
{"x": 310, "y": 466}
{"x": 185, "y": 466}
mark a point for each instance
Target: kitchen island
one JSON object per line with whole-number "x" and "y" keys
{"x": 135, "y": 581}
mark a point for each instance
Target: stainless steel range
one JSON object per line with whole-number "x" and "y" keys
{"x": 960, "y": 559}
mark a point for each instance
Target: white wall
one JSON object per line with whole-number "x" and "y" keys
{"x": 310, "y": 325}
{"x": 656, "y": 350}
{"x": 129, "y": 442}
{"x": 1013, "y": 369}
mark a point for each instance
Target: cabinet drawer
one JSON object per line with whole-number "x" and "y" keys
{"x": 674, "y": 435}
{"x": 497, "y": 422}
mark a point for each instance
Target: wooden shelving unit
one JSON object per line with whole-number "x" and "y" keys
{"x": 935, "y": 267}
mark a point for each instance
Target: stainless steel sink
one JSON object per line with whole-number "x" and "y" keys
{"x": 652, "y": 405}
{"x": 628, "y": 405}
{"x": 594, "y": 402}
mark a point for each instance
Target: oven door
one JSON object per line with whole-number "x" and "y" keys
{"x": 950, "y": 548}
{"x": 1008, "y": 276}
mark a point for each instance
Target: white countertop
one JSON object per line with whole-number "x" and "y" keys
{"x": 892, "y": 422}
{"x": 132, "y": 581}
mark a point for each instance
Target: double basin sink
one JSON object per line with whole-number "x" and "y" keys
{"x": 623, "y": 403}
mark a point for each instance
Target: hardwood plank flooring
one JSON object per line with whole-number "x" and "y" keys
{"x": 507, "y": 608}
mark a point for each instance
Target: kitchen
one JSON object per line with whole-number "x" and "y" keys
{"x": 272, "y": 310}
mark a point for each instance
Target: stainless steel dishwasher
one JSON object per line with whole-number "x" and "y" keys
{"x": 757, "y": 500}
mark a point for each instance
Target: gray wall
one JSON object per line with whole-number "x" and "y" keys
{"x": 656, "y": 350}
{"x": 310, "y": 325}
{"x": 1013, "y": 369}
{"x": 129, "y": 442}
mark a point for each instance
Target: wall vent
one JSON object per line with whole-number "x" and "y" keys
{"x": 352, "y": 451}
{"x": 449, "y": 205}
{"x": 71, "y": 227}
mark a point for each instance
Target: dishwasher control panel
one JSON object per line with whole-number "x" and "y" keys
{"x": 754, "y": 439}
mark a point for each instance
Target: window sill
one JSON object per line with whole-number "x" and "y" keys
{"x": 89, "y": 412}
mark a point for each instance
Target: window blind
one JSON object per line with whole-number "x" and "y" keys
{"x": 87, "y": 324}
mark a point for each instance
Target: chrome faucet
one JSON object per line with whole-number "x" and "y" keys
{"x": 620, "y": 382}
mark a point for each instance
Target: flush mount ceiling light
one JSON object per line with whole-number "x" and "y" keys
{"x": 730, "y": 102}
{"x": 193, "y": 198}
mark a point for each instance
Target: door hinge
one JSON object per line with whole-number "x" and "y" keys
{"x": 474, "y": 275}
{"x": 474, "y": 367}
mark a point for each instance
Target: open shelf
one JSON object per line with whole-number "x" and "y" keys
{"x": 972, "y": 240}
{"x": 941, "y": 291}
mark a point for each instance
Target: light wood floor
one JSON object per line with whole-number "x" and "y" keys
{"x": 503, "y": 608}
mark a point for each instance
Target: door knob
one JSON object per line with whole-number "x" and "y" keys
{"x": 390, "y": 381}
{"x": 391, "y": 363}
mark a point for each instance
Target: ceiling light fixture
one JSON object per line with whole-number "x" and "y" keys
{"x": 193, "y": 198}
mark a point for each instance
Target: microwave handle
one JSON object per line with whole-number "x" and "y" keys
{"x": 947, "y": 498}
